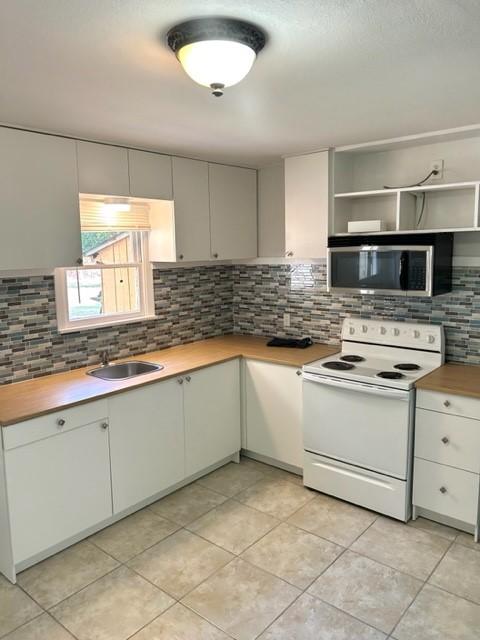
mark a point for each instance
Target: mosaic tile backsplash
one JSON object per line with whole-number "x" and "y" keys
{"x": 191, "y": 304}
{"x": 202, "y": 302}
{"x": 263, "y": 293}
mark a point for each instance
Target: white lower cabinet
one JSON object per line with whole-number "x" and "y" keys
{"x": 67, "y": 473}
{"x": 212, "y": 415}
{"x": 446, "y": 477}
{"x": 57, "y": 487}
{"x": 146, "y": 442}
{"x": 273, "y": 411}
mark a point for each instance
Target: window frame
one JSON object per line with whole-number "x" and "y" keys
{"x": 146, "y": 298}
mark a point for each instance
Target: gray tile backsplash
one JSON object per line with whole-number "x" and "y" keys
{"x": 200, "y": 302}
{"x": 191, "y": 304}
{"x": 263, "y": 293}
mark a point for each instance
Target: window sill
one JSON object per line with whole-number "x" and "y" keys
{"x": 105, "y": 324}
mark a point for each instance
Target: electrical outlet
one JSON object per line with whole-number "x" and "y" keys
{"x": 286, "y": 320}
{"x": 437, "y": 165}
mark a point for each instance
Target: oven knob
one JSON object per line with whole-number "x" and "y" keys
{"x": 395, "y": 332}
{"x": 383, "y": 331}
{"x": 352, "y": 330}
{"x": 415, "y": 333}
{"x": 431, "y": 339}
{"x": 364, "y": 328}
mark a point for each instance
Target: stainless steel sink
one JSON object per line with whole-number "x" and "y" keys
{"x": 124, "y": 370}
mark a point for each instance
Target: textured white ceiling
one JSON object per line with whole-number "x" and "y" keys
{"x": 334, "y": 72}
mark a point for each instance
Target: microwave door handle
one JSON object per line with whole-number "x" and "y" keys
{"x": 403, "y": 274}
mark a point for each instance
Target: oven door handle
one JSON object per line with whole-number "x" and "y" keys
{"x": 359, "y": 387}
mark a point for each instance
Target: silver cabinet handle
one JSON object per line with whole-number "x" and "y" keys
{"x": 445, "y": 440}
{"x": 443, "y": 490}
{"x": 299, "y": 372}
{"x": 61, "y": 422}
{"x": 180, "y": 380}
{"x": 188, "y": 378}
{"x": 446, "y": 403}
{"x": 104, "y": 425}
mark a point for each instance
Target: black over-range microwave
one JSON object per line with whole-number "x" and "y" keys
{"x": 400, "y": 264}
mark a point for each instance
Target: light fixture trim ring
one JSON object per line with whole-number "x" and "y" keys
{"x": 215, "y": 28}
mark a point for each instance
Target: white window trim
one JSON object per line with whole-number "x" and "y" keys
{"x": 147, "y": 302}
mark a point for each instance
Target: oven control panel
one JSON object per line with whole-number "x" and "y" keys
{"x": 428, "y": 337}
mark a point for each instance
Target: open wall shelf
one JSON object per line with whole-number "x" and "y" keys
{"x": 359, "y": 195}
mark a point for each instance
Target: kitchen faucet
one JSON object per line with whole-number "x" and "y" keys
{"x": 104, "y": 358}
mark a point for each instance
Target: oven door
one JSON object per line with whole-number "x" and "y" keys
{"x": 399, "y": 270}
{"x": 365, "y": 425}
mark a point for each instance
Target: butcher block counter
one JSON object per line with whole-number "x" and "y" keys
{"x": 32, "y": 398}
{"x": 458, "y": 379}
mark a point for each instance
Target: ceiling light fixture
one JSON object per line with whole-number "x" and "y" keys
{"x": 216, "y": 52}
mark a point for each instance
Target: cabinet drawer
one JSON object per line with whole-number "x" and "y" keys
{"x": 450, "y": 440}
{"x": 449, "y": 403}
{"x": 460, "y": 498}
{"x": 53, "y": 423}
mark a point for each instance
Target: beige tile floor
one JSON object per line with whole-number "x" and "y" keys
{"x": 247, "y": 552}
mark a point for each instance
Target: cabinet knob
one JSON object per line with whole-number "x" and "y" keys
{"x": 445, "y": 440}
{"x": 180, "y": 380}
{"x": 299, "y": 372}
{"x": 104, "y": 425}
{"x": 443, "y": 489}
{"x": 188, "y": 378}
{"x": 215, "y": 255}
{"x": 180, "y": 257}
{"x": 61, "y": 422}
{"x": 80, "y": 261}
{"x": 446, "y": 403}
{"x": 289, "y": 254}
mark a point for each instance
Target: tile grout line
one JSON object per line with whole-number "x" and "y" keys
{"x": 425, "y": 582}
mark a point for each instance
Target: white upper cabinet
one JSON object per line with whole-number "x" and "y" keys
{"x": 233, "y": 212}
{"x": 40, "y": 222}
{"x": 192, "y": 209}
{"x": 307, "y": 204}
{"x": 102, "y": 169}
{"x": 150, "y": 175}
{"x": 212, "y": 415}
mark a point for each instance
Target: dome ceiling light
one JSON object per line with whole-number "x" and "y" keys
{"x": 216, "y": 52}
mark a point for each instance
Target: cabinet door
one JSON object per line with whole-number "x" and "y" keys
{"x": 102, "y": 169}
{"x": 38, "y": 201}
{"x": 212, "y": 415}
{"x": 57, "y": 487}
{"x": 307, "y": 198}
{"x": 273, "y": 397}
{"x": 271, "y": 211}
{"x": 150, "y": 175}
{"x": 233, "y": 212}
{"x": 146, "y": 442}
{"x": 192, "y": 209}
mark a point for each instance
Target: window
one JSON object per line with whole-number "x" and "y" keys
{"x": 114, "y": 284}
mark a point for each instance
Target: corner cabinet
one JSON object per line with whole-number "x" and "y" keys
{"x": 273, "y": 412}
{"x": 102, "y": 169}
{"x": 308, "y": 190}
{"x": 38, "y": 200}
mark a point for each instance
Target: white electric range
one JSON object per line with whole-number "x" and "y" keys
{"x": 359, "y": 409}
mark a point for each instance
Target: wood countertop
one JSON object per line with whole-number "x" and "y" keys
{"x": 24, "y": 400}
{"x": 459, "y": 379}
